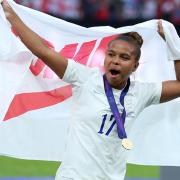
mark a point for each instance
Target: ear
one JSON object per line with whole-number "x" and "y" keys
{"x": 136, "y": 66}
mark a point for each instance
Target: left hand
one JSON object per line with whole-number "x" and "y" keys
{"x": 160, "y": 29}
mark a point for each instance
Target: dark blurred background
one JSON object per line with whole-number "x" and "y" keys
{"x": 114, "y": 13}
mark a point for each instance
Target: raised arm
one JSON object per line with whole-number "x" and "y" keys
{"x": 34, "y": 42}
{"x": 177, "y": 69}
{"x": 170, "y": 89}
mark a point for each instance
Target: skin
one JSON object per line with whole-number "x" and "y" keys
{"x": 116, "y": 57}
{"x": 120, "y": 57}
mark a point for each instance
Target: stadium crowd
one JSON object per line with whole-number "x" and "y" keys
{"x": 112, "y": 12}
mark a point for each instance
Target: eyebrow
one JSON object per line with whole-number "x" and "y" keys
{"x": 110, "y": 50}
{"x": 124, "y": 53}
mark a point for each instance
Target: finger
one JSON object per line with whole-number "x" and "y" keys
{"x": 5, "y": 4}
{"x": 160, "y": 29}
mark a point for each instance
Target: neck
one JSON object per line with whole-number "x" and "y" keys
{"x": 118, "y": 86}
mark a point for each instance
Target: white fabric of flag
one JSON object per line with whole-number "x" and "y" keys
{"x": 35, "y": 103}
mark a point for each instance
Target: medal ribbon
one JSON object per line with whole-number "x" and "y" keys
{"x": 120, "y": 119}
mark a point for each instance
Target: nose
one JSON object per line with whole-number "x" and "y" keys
{"x": 116, "y": 60}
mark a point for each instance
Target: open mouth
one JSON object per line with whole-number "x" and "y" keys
{"x": 114, "y": 72}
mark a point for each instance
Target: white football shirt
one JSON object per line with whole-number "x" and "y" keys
{"x": 94, "y": 150}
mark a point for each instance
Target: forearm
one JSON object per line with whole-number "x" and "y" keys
{"x": 177, "y": 69}
{"x": 171, "y": 89}
{"x": 35, "y": 43}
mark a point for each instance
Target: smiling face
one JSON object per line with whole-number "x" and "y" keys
{"x": 120, "y": 62}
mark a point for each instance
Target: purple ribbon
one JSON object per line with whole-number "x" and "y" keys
{"x": 120, "y": 119}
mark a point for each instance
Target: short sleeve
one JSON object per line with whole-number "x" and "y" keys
{"x": 147, "y": 94}
{"x": 77, "y": 74}
{"x": 151, "y": 93}
{"x": 155, "y": 93}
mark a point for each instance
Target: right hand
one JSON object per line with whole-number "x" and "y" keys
{"x": 8, "y": 11}
{"x": 160, "y": 29}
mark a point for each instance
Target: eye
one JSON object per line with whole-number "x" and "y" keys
{"x": 111, "y": 54}
{"x": 125, "y": 57}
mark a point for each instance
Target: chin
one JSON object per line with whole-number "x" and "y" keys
{"x": 113, "y": 81}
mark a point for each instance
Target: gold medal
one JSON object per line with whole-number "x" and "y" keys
{"x": 127, "y": 144}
